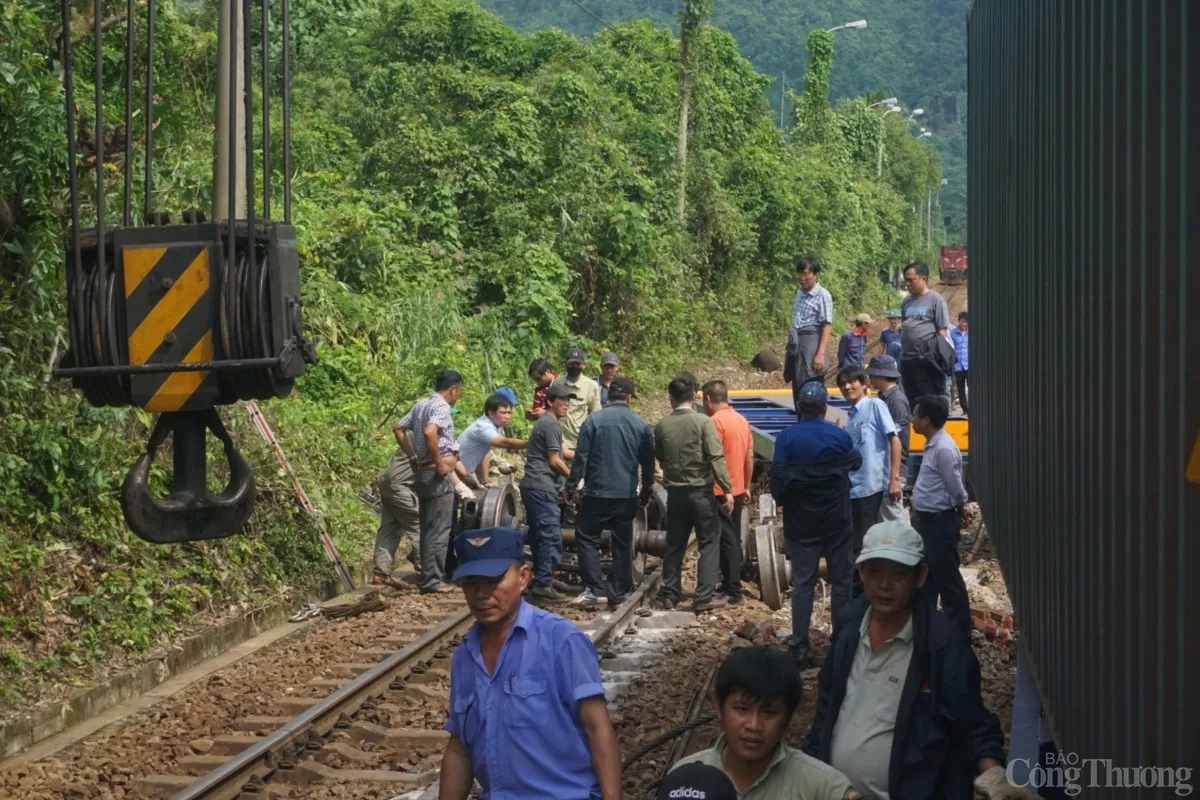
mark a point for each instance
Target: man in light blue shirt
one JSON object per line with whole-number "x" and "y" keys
{"x": 528, "y": 718}
{"x": 958, "y": 337}
{"x": 477, "y": 441}
{"x": 938, "y": 499}
{"x": 874, "y": 435}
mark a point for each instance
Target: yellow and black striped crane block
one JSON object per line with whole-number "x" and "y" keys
{"x": 171, "y": 316}
{"x": 177, "y": 320}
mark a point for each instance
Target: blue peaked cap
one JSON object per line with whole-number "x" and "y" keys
{"x": 487, "y": 552}
{"x": 814, "y": 390}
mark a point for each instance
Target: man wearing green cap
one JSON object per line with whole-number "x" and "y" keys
{"x": 899, "y": 710}
{"x": 890, "y": 338}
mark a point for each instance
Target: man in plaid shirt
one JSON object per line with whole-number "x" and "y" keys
{"x": 434, "y": 454}
{"x": 812, "y": 319}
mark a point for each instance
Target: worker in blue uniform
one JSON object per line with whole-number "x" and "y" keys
{"x": 890, "y": 338}
{"x": 528, "y": 718}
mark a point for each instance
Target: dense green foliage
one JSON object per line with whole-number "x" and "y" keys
{"x": 465, "y": 196}
{"x": 915, "y": 50}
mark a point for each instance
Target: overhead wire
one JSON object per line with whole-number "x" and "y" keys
{"x": 590, "y": 13}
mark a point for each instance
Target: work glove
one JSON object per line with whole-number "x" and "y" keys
{"x": 464, "y": 492}
{"x": 994, "y": 785}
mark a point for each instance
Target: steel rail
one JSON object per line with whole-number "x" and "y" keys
{"x": 228, "y": 780}
{"x": 601, "y": 633}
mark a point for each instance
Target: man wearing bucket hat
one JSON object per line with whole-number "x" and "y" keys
{"x": 899, "y": 710}
{"x": 528, "y": 716}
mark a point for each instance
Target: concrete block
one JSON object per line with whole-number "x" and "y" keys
{"x": 161, "y": 785}
{"x": 201, "y": 765}
{"x": 668, "y": 619}
{"x": 398, "y": 737}
{"x": 260, "y": 723}
{"x": 630, "y": 662}
{"x": 231, "y": 744}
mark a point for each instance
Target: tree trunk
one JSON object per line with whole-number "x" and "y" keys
{"x": 681, "y": 142}
{"x": 681, "y": 148}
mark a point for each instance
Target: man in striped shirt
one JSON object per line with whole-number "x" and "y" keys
{"x": 434, "y": 454}
{"x": 812, "y": 319}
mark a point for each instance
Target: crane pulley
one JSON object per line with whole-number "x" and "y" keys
{"x": 178, "y": 319}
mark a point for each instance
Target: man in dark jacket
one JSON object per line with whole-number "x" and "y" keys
{"x": 613, "y": 443}
{"x": 810, "y": 480}
{"x": 899, "y": 710}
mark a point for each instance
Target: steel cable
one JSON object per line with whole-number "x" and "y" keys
{"x": 672, "y": 733}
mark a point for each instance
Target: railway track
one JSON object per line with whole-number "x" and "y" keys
{"x": 380, "y": 724}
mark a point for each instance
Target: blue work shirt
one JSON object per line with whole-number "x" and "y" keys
{"x": 959, "y": 338}
{"x": 870, "y": 426}
{"x": 887, "y": 337}
{"x": 811, "y": 441}
{"x": 475, "y": 442}
{"x": 852, "y": 350}
{"x": 521, "y": 725}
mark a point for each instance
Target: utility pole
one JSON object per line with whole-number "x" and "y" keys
{"x": 928, "y": 219}
{"x": 681, "y": 141}
{"x": 229, "y": 98}
{"x": 692, "y": 14}
{"x": 782, "y": 96}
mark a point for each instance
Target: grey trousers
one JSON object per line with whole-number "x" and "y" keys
{"x": 437, "y": 515}
{"x": 892, "y": 511}
{"x": 688, "y": 509}
{"x": 401, "y": 517}
{"x": 802, "y": 348}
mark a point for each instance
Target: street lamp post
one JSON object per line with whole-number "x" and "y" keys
{"x": 892, "y": 105}
{"x": 782, "y": 96}
{"x": 891, "y": 101}
{"x": 916, "y": 113}
{"x": 857, "y": 25}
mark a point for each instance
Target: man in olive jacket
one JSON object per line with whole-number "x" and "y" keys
{"x": 689, "y": 448}
{"x": 917, "y": 728}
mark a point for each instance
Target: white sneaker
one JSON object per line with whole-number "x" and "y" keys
{"x": 588, "y": 599}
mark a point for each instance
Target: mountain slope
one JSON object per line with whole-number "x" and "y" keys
{"x": 914, "y": 50}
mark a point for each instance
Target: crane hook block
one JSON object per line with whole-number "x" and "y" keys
{"x": 190, "y": 512}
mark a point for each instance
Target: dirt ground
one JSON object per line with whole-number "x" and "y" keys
{"x": 105, "y": 765}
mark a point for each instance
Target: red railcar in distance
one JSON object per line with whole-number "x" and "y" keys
{"x": 954, "y": 264}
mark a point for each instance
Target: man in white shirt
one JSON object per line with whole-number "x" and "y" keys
{"x": 476, "y": 443}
